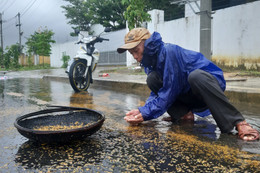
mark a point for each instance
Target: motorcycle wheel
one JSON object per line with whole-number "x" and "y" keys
{"x": 76, "y": 76}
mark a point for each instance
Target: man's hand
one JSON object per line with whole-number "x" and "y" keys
{"x": 134, "y": 117}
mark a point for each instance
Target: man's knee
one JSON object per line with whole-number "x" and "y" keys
{"x": 196, "y": 76}
{"x": 200, "y": 80}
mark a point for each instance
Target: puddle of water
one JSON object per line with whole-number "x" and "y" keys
{"x": 154, "y": 146}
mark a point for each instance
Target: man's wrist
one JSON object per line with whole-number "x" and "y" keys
{"x": 141, "y": 110}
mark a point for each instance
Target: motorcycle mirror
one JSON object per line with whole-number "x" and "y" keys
{"x": 107, "y": 29}
{"x": 76, "y": 31}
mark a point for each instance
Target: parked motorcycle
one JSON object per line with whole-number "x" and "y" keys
{"x": 80, "y": 68}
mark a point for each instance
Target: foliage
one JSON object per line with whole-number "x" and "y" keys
{"x": 7, "y": 59}
{"x": 109, "y": 13}
{"x": 136, "y": 13}
{"x": 65, "y": 59}
{"x": 26, "y": 68}
{"x": 82, "y": 14}
{"x": 171, "y": 11}
{"x": 1, "y": 56}
{"x": 11, "y": 57}
{"x": 30, "y": 60}
{"x": 79, "y": 14}
{"x": 249, "y": 73}
{"x": 40, "y": 42}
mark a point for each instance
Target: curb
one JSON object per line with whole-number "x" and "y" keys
{"x": 136, "y": 87}
{"x": 124, "y": 86}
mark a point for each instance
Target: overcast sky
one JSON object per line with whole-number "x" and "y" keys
{"x": 34, "y": 14}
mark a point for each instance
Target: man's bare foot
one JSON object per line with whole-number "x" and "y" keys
{"x": 187, "y": 117}
{"x": 169, "y": 119}
{"x": 246, "y": 132}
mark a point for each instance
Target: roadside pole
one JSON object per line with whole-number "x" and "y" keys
{"x": 205, "y": 28}
{"x": 2, "y": 44}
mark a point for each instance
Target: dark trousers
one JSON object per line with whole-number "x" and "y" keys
{"x": 205, "y": 93}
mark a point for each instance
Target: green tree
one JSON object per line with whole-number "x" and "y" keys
{"x": 7, "y": 60}
{"x": 40, "y": 42}
{"x": 171, "y": 11}
{"x": 65, "y": 59}
{"x": 79, "y": 14}
{"x": 84, "y": 13}
{"x": 1, "y": 56}
{"x": 11, "y": 57}
{"x": 114, "y": 13}
{"x": 136, "y": 13}
{"x": 109, "y": 13}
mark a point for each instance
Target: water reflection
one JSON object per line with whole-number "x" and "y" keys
{"x": 79, "y": 153}
{"x": 153, "y": 146}
{"x": 206, "y": 129}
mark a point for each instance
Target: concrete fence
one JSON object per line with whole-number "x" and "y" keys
{"x": 34, "y": 60}
{"x": 235, "y": 34}
{"x": 235, "y": 37}
{"x": 108, "y": 54}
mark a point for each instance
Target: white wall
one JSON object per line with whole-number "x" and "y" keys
{"x": 184, "y": 32}
{"x": 235, "y": 35}
{"x": 236, "y": 31}
{"x": 116, "y": 39}
{"x": 58, "y": 50}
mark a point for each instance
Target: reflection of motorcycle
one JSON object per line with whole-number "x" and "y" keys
{"x": 80, "y": 68}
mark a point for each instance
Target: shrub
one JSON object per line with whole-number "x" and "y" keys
{"x": 65, "y": 59}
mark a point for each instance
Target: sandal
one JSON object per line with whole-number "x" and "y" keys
{"x": 245, "y": 130}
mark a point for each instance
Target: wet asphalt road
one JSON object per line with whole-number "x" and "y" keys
{"x": 154, "y": 146}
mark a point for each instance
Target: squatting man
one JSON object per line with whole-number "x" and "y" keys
{"x": 182, "y": 82}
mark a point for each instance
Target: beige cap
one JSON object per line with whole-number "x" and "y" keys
{"x": 133, "y": 38}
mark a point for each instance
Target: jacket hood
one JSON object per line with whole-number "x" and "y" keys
{"x": 152, "y": 47}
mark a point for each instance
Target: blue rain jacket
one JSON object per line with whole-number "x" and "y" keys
{"x": 173, "y": 64}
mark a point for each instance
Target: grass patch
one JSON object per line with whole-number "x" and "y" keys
{"x": 244, "y": 72}
{"x": 249, "y": 73}
{"x": 27, "y": 68}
